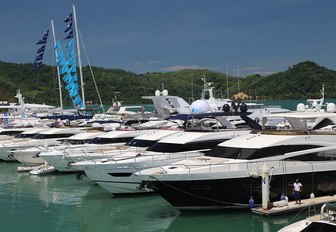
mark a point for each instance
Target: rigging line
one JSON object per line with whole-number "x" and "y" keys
{"x": 93, "y": 77}
{"x": 294, "y": 218}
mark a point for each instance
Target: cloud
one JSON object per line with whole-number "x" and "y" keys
{"x": 138, "y": 64}
{"x": 257, "y": 70}
{"x": 181, "y": 67}
{"x": 155, "y": 61}
{"x": 253, "y": 68}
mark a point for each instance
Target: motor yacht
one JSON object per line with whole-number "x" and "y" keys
{"x": 49, "y": 137}
{"x": 324, "y": 221}
{"x": 16, "y": 135}
{"x": 115, "y": 174}
{"x": 98, "y": 147}
{"x": 230, "y": 175}
{"x": 31, "y": 155}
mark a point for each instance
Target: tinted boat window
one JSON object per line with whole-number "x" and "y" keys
{"x": 51, "y": 136}
{"x": 25, "y": 135}
{"x": 173, "y": 147}
{"x": 250, "y": 154}
{"x": 141, "y": 143}
{"x": 99, "y": 140}
{"x": 10, "y": 133}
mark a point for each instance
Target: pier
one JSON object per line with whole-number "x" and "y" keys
{"x": 309, "y": 203}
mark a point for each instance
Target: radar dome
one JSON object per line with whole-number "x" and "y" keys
{"x": 300, "y": 107}
{"x": 157, "y": 93}
{"x": 165, "y": 92}
{"x": 200, "y": 106}
{"x": 331, "y": 108}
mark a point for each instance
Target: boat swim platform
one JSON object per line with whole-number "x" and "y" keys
{"x": 309, "y": 204}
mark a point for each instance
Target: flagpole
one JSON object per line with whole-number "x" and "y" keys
{"x": 58, "y": 71}
{"x": 78, "y": 54}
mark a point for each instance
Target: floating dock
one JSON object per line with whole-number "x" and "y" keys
{"x": 292, "y": 207}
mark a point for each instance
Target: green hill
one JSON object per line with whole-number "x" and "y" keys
{"x": 301, "y": 81}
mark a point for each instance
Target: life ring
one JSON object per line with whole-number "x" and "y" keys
{"x": 324, "y": 211}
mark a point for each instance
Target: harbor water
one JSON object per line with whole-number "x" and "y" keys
{"x": 61, "y": 202}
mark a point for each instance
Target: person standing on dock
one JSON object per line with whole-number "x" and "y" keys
{"x": 297, "y": 189}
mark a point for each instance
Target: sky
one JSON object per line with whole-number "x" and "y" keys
{"x": 237, "y": 37}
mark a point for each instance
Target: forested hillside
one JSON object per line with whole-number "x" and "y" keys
{"x": 301, "y": 81}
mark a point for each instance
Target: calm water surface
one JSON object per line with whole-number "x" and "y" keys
{"x": 59, "y": 202}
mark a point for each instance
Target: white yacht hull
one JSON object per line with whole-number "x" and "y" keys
{"x": 117, "y": 177}
{"x": 28, "y": 157}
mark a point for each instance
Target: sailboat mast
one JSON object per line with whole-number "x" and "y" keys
{"x": 58, "y": 70}
{"x": 78, "y": 54}
{"x": 238, "y": 78}
{"x": 227, "y": 82}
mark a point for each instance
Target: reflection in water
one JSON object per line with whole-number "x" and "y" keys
{"x": 62, "y": 203}
{"x": 131, "y": 213}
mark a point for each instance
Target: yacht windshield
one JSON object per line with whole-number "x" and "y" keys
{"x": 175, "y": 147}
{"x": 253, "y": 153}
{"x": 75, "y": 141}
{"x": 25, "y": 135}
{"x": 51, "y": 136}
{"x": 10, "y": 133}
{"x": 141, "y": 143}
{"x": 100, "y": 140}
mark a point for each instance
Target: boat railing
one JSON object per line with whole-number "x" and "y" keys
{"x": 157, "y": 158}
{"x": 253, "y": 169}
{"x": 293, "y": 132}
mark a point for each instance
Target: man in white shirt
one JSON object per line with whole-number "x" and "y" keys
{"x": 297, "y": 189}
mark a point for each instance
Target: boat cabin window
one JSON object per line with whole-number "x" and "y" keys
{"x": 25, "y": 135}
{"x": 317, "y": 156}
{"x": 75, "y": 141}
{"x": 251, "y": 153}
{"x": 51, "y": 136}
{"x": 10, "y": 133}
{"x": 175, "y": 147}
{"x": 100, "y": 140}
{"x": 141, "y": 143}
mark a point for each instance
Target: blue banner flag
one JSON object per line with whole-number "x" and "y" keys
{"x": 68, "y": 28}
{"x": 39, "y": 57}
{"x": 57, "y": 45}
{"x": 71, "y": 53}
{"x": 69, "y": 35}
{"x": 61, "y": 61}
{"x": 41, "y": 41}
{"x": 70, "y": 44}
{"x": 68, "y": 18}
{"x": 70, "y": 85}
{"x": 78, "y": 101}
{"x": 41, "y": 49}
{"x": 67, "y": 77}
{"x": 44, "y": 38}
{"x": 64, "y": 69}
{"x": 73, "y": 68}
{"x": 37, "y": 65}
{"x": 73, "y": 91}
{"x": 72, "y": 61}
